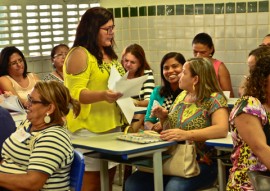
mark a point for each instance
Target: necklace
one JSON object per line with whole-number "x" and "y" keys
{"x": 191, "y": 98}
{"x": 59, "y": 74}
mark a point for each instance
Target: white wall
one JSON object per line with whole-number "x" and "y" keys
{"x": 234, "y": 35}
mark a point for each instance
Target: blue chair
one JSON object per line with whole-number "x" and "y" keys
{"x": 77, "y": 171}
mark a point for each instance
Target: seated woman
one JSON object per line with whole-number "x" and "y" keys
{"x": 249, "y": 119}
{"x": 13, "y": 74}
{"x": 58, "y": 55}
{"x": 200, "y": 112}
{"x": 7, "y": 126}
{"x": 135, "y": 63}
{"x": 170, "y": 67}
{"x": 203, "y": 46}
{"x": 38, "y": 156}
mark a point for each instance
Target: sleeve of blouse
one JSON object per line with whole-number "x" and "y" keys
{"x": 249, "y": 105}
{"x": 77, "y": 83}
{"x": 148, "y": 85}
{"x": 218, "y": 101}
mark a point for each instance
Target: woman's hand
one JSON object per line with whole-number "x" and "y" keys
{"x": 112, "y": 96}
{"x": 157, "y": 127}
{"x": 7, "y": 93}
{"x": 174, "y": 135}
{"x": 159, "y": 112}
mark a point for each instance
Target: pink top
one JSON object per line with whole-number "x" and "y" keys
{"x": 216, "y": 64}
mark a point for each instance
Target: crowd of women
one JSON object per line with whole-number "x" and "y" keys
{"x": 74, "y": 101}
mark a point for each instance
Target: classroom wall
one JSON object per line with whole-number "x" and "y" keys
{"x": 162, "y": 26}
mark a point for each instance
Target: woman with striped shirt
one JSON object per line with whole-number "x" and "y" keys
{"x": 135, "y": 63}
{"x": 39, "y": 154}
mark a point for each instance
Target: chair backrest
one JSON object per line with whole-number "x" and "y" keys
{"x": 77, "y": 171}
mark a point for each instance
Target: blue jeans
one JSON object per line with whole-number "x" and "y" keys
{"x": 145, "y": 181}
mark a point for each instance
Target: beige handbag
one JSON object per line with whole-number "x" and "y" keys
{"x": 183, "y": 161}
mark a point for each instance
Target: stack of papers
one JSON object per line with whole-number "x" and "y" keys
{"x": 128, "y": 87}
{"x": 141, "y": 137}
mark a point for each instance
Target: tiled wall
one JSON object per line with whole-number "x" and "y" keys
{"x": 236, "y": 28}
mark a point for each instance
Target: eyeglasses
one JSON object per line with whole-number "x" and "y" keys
{"x": 63, "y": 55}
{"x": 31, "y": 101}
{"x": 109, "y": 29}
{"x": 19, "y": 61}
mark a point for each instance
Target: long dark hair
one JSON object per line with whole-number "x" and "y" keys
{"x": 4, "y": 60}
{"x": 88, "y": 29}
{"x": 166, "y": 89}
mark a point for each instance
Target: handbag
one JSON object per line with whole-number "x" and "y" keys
{"x": 260, "y": 180}
{"x": 182, "y": 162}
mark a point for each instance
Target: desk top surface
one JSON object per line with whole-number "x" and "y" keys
{"x": 109, "y": 144}
{"x": 222, "y": 142}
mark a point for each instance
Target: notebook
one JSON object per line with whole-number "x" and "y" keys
{"x": 141, "y": 137}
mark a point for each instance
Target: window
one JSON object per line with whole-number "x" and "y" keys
{"x": 35, "y": 27}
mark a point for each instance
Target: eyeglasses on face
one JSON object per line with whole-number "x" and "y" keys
{"x": 31, "y": 101}
{"x": 109, "y": 29}
{"x": 60, "y": 55}
{"x": 13, "y": 63}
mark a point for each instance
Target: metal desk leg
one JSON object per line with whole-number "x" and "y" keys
{"x": 158, "y": 174}
{"x": 221, "y": 174}
{"x": 104, "y": 175}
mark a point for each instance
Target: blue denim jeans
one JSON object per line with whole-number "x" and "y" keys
{"x": 145, "y": 181}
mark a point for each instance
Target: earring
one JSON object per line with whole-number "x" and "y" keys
{"x": 193, "y": 87}
{"x": 47, "y": 118}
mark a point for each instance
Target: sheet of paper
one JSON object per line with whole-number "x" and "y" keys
{"x": 11, "y": 103}
{"x": 128, "y": 87}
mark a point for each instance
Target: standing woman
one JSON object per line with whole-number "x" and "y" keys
{"x": 170, "y": 67}
{"x": 58, "y": 55}
{"x": 203, "y": 46}
{"x": 86, "y": 73}
{"x": 135, "y": 63}
{"x": 14, "y": 76}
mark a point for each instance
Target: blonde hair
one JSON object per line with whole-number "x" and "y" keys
{"x": 207, "y": 83}
{"x": 56, "y": 93}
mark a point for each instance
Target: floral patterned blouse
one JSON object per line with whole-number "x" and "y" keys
{"x": 189, "y": 116}
{"x": 243, "y": 159}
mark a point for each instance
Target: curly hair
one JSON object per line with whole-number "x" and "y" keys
{"x": 257, "y": 82}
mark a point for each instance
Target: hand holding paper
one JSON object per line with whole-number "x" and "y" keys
{"x": 128, "y": 87}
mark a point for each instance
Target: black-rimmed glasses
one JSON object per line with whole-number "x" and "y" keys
{"x": 108, "y": 29}
{"x": 31, "y": 101}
